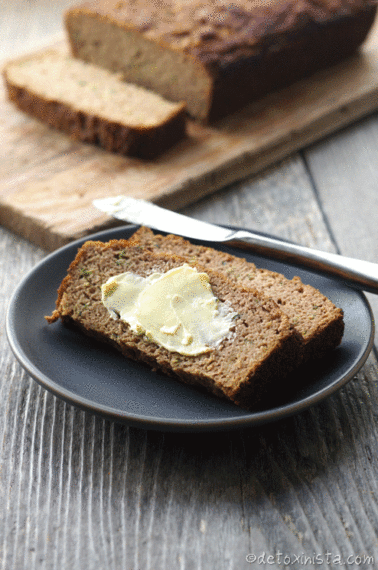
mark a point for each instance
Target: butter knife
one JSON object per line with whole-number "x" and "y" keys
{"x": 356, "y": 273}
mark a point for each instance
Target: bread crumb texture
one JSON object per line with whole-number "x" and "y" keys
{"x": 90, "y": 89}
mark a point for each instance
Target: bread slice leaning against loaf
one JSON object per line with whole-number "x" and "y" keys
{"x": 318, "y": 321}
{"x": 262, "y": 349}
{"x": 93, "y": 105}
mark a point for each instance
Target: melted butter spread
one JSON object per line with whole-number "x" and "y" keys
{"x": 177, "y": 309}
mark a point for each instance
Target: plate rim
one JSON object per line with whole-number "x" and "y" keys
{"x": 161, "y": 423}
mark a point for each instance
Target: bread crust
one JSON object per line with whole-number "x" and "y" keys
{"x": 246, "y": 49}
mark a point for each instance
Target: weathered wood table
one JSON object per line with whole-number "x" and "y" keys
{"x": 80, "y": 492}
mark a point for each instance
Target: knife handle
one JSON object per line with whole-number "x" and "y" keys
{"x": 354, "y": 272}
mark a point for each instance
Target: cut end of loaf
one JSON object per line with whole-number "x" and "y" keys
{"x": 97, "y": 37}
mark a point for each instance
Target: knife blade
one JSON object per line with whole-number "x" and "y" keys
{"x": 354, "y": 272}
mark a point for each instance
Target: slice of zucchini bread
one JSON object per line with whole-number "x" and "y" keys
{"x": 94, "y": 105}
{"x": 261, "y": 349}
{"x": 319, "y": 322}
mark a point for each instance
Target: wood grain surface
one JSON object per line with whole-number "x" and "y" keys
{"x": 77, "y": 492}
{"x": 46, "y": 190}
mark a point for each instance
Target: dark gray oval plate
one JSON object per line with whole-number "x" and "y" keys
{"x": 100, "y": 380}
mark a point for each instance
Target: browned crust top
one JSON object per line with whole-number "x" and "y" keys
{"x": 220, "y": 32}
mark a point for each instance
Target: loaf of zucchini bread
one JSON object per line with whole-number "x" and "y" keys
{"x": 217, "y": 55}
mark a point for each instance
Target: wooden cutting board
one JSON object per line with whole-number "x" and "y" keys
{"x": 48, "y": 182}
